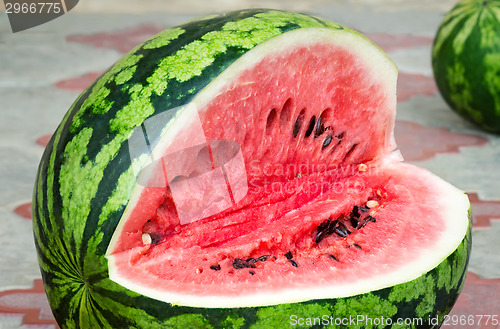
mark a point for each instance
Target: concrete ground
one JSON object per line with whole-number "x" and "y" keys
{"x": 44, "y": 69}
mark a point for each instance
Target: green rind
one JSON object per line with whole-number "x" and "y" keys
{"x": 85, "y": 180}
{"x": 466, "y": 61}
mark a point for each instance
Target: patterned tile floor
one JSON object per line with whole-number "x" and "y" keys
{"x": 44, "y": 69}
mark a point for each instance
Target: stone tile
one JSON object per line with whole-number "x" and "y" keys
{"x": 418, "y": 142}
{"x": 122, "y": 40}
{"x": 18, "y": 171}
{"x": 377, "y": 18}
{"x": 31, "y": 304}
{"x": 14, "y": 321}
{"x": 484, "y": 259}
{"x": 433, "y": 111}
{"x": 18, "y": 262}
{"x": 475, "y": 169}
{"x": 484, "y": 211}
{"x": 199, "y": 7}
{"x": 395, "y": 6}
{"x": 79, "y": 83}
{"x": 55, "y": 59}
{"x": 24, "y": 210}
{"x": 415, "y": 60}
{"x": 31, "y": 112}
{"x": 478, "y": 303}
{"x": 412, "y": 85}
{"x": 392, "y": 42}
{"x": 27, "y": 114}
{"x": 43, "y": 140}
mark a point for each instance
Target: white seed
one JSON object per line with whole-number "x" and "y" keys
{"x": 371, "y": 204}
{"x": 198, "y": 270}
{"x": 146, "y": 238}
{"x": 362, "y": 167}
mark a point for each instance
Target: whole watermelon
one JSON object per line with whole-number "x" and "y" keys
{"x": 240, "y": 171}
{"x": 466, "y": 61}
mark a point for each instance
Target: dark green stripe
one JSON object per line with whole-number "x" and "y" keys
{"x": 93, "y": 226}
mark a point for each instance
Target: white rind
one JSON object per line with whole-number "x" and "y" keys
{"x": 455, "y": 204}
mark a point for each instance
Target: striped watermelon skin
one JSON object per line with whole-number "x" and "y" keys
{"x": 85, "y": 180}
{"x": 466, "y": 61}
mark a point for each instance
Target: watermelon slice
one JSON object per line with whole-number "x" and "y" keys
{"x": 276, "y": 189}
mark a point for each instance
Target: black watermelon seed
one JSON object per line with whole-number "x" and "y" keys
{"x": 354, "y": 222}
{"x": 327, "y": 141}
{"x": 289, "y": 255}
{"x": 342, "y": 230}
{"x": 155, "y": 238}
{"x": 365, "y": 221}
{"x": 355, "y": 212}
{"x": 324, "y": 225}
{"x": 319, "y": 128}
{"x": 251, "y": 272}
{"x": 333, "y": 257}
{"x": 340, "y": 136}
{"x": 311, "y": 126}
{"x": 357, "y": 246}
{"x": 263, "y": 258}
{"x": 294, "y": 263}
{"x": 296, "y": 128}
{"x": 298, "y": 123}
{"x": 215, "y": 267}
{"x": 336, "y": 223}
{"x": 319, "y": 236}
{"x": 239, "y": 264}
{"x": 329, "y": 227}
{"x": 351, "y": 150}
{"x": 363, "y": 224}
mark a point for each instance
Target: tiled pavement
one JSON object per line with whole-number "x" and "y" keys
{"x": 44, "y": 69}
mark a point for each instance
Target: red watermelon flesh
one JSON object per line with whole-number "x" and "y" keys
{"x": 317, "y": 195}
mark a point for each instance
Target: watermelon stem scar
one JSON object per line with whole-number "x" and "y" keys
{"x": 236, "y": 170}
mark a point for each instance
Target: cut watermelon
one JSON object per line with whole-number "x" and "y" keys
{"x": 275, "y": 191}
{"x": 301, "y": 172}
